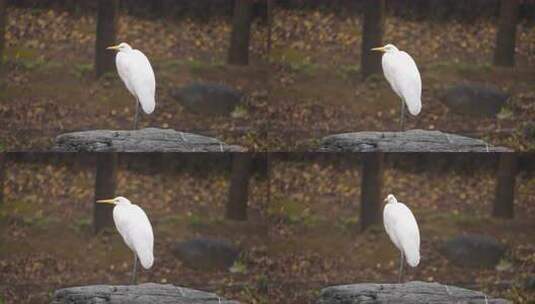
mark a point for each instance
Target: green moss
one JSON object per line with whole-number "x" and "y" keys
{"x": 347, "y": 72}
{"x": 294, "y": 213}
{"x": 240, "y": 112}
{"x": 374, "y": 79}
{"x": 297, "y": 61}
{"x": 19, "y": 53}
{"x": 505, "y": 113}
{"x": 82, "y": 224}
{"x": 285, "y": 207}
{"x": 81, "y": 70}
{"x": 347, "y": 223}
{"x": 28, "y": 64}
{"x": 174, "y": 219}
{"x": 306, "y": 68}
{"x": 195, "y": 221}
{"x": 474, "y": 69}
{"x": 19, "y": 208}
{"x": 288, "y": 55}
{"x": 238, "y": 267}
{"x": 195, "y": 66}
{"x": 464, "y": 68}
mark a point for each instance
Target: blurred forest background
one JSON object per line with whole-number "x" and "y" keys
{"x": 299, "y": 64}
{"x": 327, "y": 81}
{"x": 55, "y": 236}
{"x": 300, "y": 221}
{"x": 326, "y": 228}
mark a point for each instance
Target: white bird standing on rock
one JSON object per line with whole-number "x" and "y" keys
{"x": 401, "y": 72}
{"x": 401, "y": 227}
{"x": 135, "y": 228}
{"x": 136, "y": 72}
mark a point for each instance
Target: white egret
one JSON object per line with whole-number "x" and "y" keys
{"x": 136, "y": 230}
{"x": 402, "y": 73}
{"x": 136, "y": 72}
{"x": 401, "y": 227}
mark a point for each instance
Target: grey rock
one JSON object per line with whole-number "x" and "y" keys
{"x": 207, "y": 254}
{"x": 473, "y": 250}
{"x": 148, "y": 293}
{"x": 209, "y": 99}
{"x": 406, "y": 293}
{"x": 406, "y": 141}
{"x": 143, "y": 140}
{"x": 474, "y": 99}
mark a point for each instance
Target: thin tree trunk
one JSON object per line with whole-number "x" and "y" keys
{"x": 105, "y": 184}
{"x": 372, "y": 36}
{"x": 239, "y": 186}
{"x": 371, "y": 188}
{"x": 3, "y": 23}
{"x": 238, "y": 53}
{"x": 505, "y": 187}
{"x": 504, "y": 54}
{"x": 106, "y": 31}
{"x": 157, "y": 7}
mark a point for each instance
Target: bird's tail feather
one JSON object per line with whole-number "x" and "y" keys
{"x": 146, "y": 258}
{"x": 144, "y": 251}
{"x": 414, "y": 105}
{"x": 412, "y": 257}
{"x": 147, "y": 103}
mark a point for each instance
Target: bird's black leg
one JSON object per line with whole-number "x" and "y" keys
{"x": 401, "y": 119}
{"x": 136, "y": 115}
{"x": 134, "y": 281}
{"x": 400, "y": 268}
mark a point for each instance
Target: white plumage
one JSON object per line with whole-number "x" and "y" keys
{"x": 135, "y": 228}
{"x": 401, "y": 227}
{"x": 136, "y": 72}
{"x": 402, "y": 74}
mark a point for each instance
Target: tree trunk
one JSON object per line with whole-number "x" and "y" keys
{"x": 157, "y": 8}
{"x": 504, "y": 54}
{"x": 105, "y": 184}
{"x": 3, "y": 23}
{"x": 106, "y": 30}
{"x": 505, "y": 187}
{"x": 239, "y": 186}
{"x": 371, "y": 188}
{"x": 238, "y": 53}
{"x": 372, "y": 36}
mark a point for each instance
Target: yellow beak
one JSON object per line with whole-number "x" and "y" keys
{"x": 106, "y": 201}
{"x": 113, "y": 47}
{"x": 379, "y": 49}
